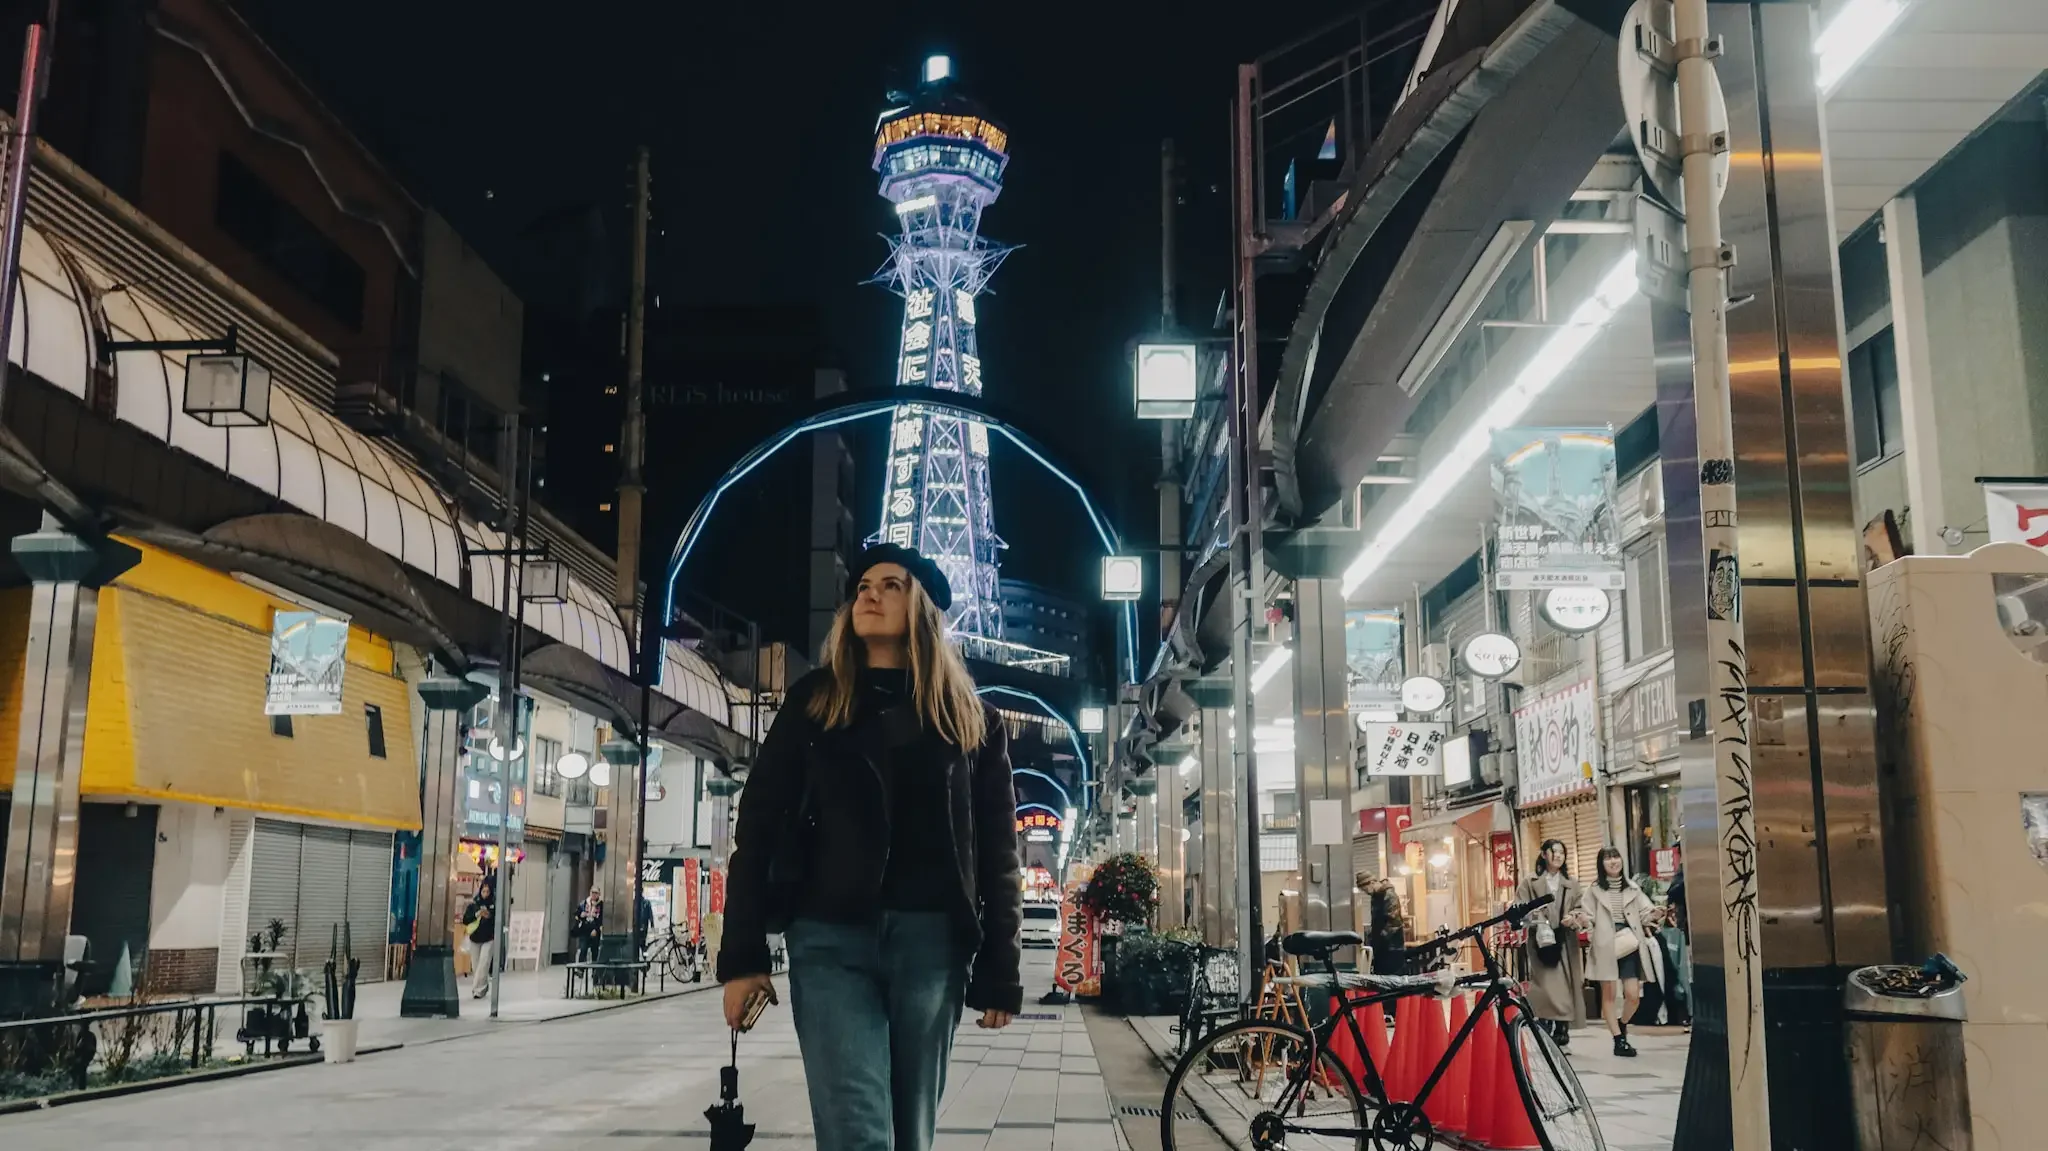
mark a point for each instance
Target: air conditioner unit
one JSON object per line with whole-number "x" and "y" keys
{"x": 1650, "y": 494}
{"x": 1436, "y": 660}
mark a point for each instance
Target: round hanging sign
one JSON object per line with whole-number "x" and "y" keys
{"x": 1490, "y": 655}
{"x": 1576, "y": 609}
{"x": 1422, "y": 693}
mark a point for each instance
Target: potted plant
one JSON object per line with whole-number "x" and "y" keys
{"x": 338, "y": 989}
{"x": 1122, "y": 895}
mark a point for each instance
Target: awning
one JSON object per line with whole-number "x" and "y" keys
{"x": 1477, "y": 821}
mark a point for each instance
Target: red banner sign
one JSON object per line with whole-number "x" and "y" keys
{"x": 1075, "y": 962}
{"x": 1503, "y": 845}
{"x": 1664, "y": 863}
{"x": 718, "y": 892}
{"x": 693, "y": 908}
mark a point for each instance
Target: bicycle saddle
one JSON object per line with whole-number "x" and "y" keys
{"x": 1319, "y": 944}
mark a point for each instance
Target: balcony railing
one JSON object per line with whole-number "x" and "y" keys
{"x": 1007, "y": 654}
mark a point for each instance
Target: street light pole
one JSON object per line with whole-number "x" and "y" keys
{"x": 1247, "y": 543}
{"x": 506, "y": 748}
{"x": 35, "y": 64}
{"x": 644, "y": 633}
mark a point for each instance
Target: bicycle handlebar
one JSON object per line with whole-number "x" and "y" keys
{"x": 1513, "y": 915}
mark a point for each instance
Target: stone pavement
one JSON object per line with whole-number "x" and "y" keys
{"x": 1635, "y": 1100}
{"x": 636, "y": 1078}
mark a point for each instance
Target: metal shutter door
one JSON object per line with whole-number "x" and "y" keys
{"x": 234, "y": 908}
{"x": 1365, "y": 854}
{"x": 323, "y": 895}
{"x": 273, "y": 882}
{"x": 369, "y": 899}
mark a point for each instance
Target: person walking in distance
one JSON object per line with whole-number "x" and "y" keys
{"x": 1386, "y": 929}
{"x": 1550, "y": 952}
{"x": 589, "y": 925}
{"x": 480, "y": 920}
{"x": 877, "y": 834}
{"x": 1621, "y": 917}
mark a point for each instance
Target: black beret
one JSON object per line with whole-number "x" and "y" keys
{"x": 921, "y": 569}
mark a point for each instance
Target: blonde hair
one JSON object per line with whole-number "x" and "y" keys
{"x": 940, "y": 687}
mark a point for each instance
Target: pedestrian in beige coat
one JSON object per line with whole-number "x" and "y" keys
{"x": 1554, "y": 985}
{"x": 1614, "y": 904}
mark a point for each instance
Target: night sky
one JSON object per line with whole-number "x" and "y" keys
{"x": 761, "y": 119}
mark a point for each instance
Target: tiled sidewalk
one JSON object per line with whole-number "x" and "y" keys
{"x": 1033, "y": 1086}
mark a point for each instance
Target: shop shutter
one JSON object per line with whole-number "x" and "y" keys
{"x": 234, "y": 907}
{"x": 369, "y": 899}
{"x": 1578, "y": 824}
{"x": 1365, "y": 854}
{"x": 323, "y": 894}
{"x": 273, "y": 882}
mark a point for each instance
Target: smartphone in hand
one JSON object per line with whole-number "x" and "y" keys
{"x": 756, "y": 1004}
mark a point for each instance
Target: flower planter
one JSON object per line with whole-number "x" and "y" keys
{"x": 338, "y": 1040}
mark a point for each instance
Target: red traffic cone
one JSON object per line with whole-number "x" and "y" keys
{"x": 1342, "y": 1047}
{"x": 1372, "y": 1020}
{"x": 1512, "y": 1128}
{"x": 1430, "y": 1053}
{"x": 1456, "y": 1088}
{"x": 1396, "y": 1066}
{"x": 1480, "y": 1050}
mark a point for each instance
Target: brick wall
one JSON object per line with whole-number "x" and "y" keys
{"x": 182, "y": 969}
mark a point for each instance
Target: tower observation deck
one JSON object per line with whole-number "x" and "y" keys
{"x": 941, "y": 161}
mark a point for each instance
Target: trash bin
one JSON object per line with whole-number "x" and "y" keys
{"x": 1903, "y": 1028}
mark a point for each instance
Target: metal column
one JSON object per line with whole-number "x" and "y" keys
{"x": 1219, "y": 831}
{"x": 40, "y": 868}
{"x": 1798, "y": 862}
{"x": 430, "y": 988}
{"x": 619, "y": 878}
{"x": 1903, "y": 266}
{"x": 1169, "y": 819}
{"x": 1322, "y": 755}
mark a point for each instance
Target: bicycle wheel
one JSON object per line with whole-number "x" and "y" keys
{"x": 680, "y": 964}
{"x": 1262, "y": 1084}
{"x": 1558, "y": 1106}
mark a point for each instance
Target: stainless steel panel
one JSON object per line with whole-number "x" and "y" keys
{"x": 440, "y": 826}
{"x": 1219, "y": 831}
{"x": 1322, "y": 751}
{"x": 42, "y": 843}
{"x": 1173, "y": 876}
{"x": 1771, "y": 622}
{"x": 1787, "y": 834}
{"x": 1841, "y": 641}
{"x": 1857, "y": 889}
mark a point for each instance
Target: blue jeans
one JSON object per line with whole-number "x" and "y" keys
{"x": 875, "y": 1008}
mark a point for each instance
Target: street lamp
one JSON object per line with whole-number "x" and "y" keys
{"x": 224, "y": 386}
{"x": 1093, "y": 719}
{"x": 1166, "y": 379}
{"x": 1123, "y": 578}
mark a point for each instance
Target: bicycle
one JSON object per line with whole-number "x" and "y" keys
{"x": 682, "y": 959}
{"x": 1281, "y": 1080}
{"x": 1212, "y": 998}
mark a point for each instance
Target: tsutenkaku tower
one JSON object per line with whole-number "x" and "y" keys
{"x": 941, "y": 160}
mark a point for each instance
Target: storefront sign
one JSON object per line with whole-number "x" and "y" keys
{"x": 1557, "y": 744}
{"x": 717, "y": 892}
{"x": 1402, "y": 748}
{"x": 1664, "y": 863}
{"x": 1372, "y": 659}
{"x": 2017, "y": 513}
{"x": 693, "y": 905}
{"x": 1491, "y": 655}
{"x": 1502, "y": 845}
{"x": 1075, "y": 961}
{"x": 1423, "y": 694}
{"x": 1038, "y": 821}
{"x": 1554, "y": 494}
{"x": 1386, "y": 821}
{"x": 308, "y": 653}
{"x": 1576, "y": 610}
{"x": 1646, "y": 725}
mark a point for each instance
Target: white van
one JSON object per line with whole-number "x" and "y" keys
{"x": 1041, "y": 925}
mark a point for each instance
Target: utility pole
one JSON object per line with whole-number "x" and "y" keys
{"x": 35, "y": 77}
{"x": 1702, "y": 140}
{"x": 1247, "y": 543}
{"x": 506, "y": 747}
{"x": 632, "y": 492}
{"x": 1169, "y": 444}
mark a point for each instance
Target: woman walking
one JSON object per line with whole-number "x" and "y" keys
{"x": 1622, "y": 917}
{"x": 1550, "y": 954}
{"x": 877, "y": 834}
{"x": 480, "y": 920}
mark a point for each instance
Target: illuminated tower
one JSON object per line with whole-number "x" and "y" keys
{"x": 941, "y": 161}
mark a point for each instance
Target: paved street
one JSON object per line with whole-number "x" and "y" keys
{"x": 623, "y": 1079}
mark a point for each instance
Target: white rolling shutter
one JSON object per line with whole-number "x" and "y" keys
{"x": 323, "y": 895}
{"x": 234, "y": 907}
{"x": 369, "y": 900}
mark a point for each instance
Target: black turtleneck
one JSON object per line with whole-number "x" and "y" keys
{"x": 921, "y": 874}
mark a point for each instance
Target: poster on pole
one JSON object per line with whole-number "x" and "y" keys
{"x": 1372, "y": 659}
{"x": 2017, "y": 513}
{"x": 1555, "y": 522}
{"x": 693, "y": 907}
{"x": 308, "y": 653}
{"x": 1402, "y": 748}
{"x": 1557, "y": 745}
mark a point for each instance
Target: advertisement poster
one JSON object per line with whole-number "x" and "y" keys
{"x": 2017, "y": 513}
{"x": 1553, "y": 491}
{"x": 1557, "y": 744}
{"x": 717, "y": 892}
{"x": 693, "y": 907}
{"x": 523, "y": 935}
{"x": 1074, "y": 964}
{"x": 1502, "y": 844}
{"x": 1402, "y": 748}
{"x": 308, "y": 653}
{"x": 1372, "y": 659}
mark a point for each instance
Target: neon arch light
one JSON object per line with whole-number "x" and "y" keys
{"x": 1073, "y": 734}
{"x": 850, "y": 409}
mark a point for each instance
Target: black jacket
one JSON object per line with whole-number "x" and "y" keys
{"x": 818, "y": 795}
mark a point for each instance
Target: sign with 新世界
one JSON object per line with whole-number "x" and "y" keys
{"x": 1646, "y": 725}
{"x": 1557, "y": 745}
{"x": 1401, "y": 748}
{"x": 1555, "y": 522}
{"x": 2017, "y": 513}
{"x": 308, "y": 654}
{"x": 1372, "y": 659}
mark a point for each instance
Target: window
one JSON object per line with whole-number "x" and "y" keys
{"x": 281, "y": 725}
{"x": 257, "y": 218}
{"x": 373, "y": 719}
{"x": 1874, "y": 398}
{"x": 1649, "y": 623}
{"x": 546, "y": 752}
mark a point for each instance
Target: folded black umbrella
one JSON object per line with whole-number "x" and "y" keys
{"x": 730, "y": 1130}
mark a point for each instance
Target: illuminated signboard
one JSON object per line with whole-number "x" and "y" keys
{"x": 938, "y": 124}
{"x": 1035, "y": 820}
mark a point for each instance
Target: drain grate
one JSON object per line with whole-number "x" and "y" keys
{"x": 1041, "y": 1016}
{"x": 1153, "y": 1112}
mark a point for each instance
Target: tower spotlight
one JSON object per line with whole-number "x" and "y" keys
{"x": 937, "y": 67}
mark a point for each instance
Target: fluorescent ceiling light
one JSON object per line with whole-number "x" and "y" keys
{"x": 1858, "y": 26}
{"x": 917, "y": 204}
{"x": 1479, "y": 281}
{"x": 1264, "y": 673}
{"x": 1616, "y": 288}
{"x": 1189, "y": 764}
